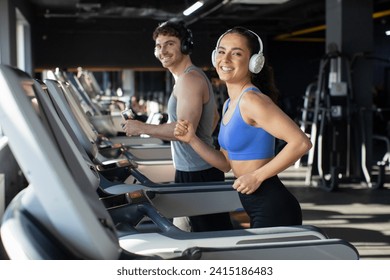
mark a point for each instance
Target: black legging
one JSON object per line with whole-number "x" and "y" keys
{"x": 272, "y": 205}
{"x": 209, "y": 222}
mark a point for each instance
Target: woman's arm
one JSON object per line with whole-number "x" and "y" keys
{"x": 260, "y": 111}
{"x": 184, "y": 132}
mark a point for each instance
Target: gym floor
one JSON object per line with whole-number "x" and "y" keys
{"x": 352, "y": 212}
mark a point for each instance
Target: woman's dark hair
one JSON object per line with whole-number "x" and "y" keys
{"x": 265, "y": 79}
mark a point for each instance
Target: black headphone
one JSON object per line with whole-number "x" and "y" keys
{"x": 187, "y": 43}
{"x": 256, "y": 61}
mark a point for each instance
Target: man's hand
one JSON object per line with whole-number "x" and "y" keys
{"x": 133, "y": 127}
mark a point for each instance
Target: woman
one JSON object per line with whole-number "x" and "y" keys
{"x": 251, "y": 121}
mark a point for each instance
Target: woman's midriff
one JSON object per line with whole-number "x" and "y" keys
{"x": 241, "y": 167}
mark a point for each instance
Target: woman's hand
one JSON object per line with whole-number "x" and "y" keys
{"x": 184, "y": 131}
{"x": 246, "y": 184}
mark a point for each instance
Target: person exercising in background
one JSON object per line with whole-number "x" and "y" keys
{"x": 192, "y": 98}
{"x": 250, "y": 123}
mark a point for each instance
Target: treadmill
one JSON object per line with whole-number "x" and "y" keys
{"x": 61, "y": 216}
{"x": 152, "y": 160}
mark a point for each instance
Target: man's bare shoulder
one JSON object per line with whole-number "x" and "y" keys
{"x": 193, "y": 76}
{"x": 191, "y": 82}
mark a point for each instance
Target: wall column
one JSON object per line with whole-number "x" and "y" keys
{"x": 7, "y": 33}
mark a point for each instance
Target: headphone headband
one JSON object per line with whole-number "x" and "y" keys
{"x": 256, "y": 61}
{"x": 257, "y": 36}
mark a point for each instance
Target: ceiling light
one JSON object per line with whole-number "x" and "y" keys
{"x": 258, "y": 2}
{"x": 193, "y": 8}
{"x": 387, "y": 32}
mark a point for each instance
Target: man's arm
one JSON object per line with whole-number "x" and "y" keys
{"x": 162, "y": 131}
{"x": 190, "y": 91}
{"x": 216, "y": 118}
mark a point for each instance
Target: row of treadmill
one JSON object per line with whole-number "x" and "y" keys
{"x": 94, "y": 195}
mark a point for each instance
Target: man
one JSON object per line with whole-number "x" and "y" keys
{"x": 192, "y": 98}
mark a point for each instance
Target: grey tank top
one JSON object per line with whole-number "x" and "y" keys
{"x": 184, "y": 157}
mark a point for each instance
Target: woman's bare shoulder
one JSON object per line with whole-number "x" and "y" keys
{"x": 255, "y": 98}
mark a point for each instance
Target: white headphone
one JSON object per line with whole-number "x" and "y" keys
{"x": 256, "y": 61}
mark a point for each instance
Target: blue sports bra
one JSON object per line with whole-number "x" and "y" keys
{"x": 243, "y": 141}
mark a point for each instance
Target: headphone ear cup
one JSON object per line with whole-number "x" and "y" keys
{"x": 184, "y": 47}
{"x": 256, "y": 63}
{"x": 213, "y": 54}
{"x": 187, "y": 44}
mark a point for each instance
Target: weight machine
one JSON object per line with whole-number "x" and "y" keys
{"x": 336, "y": 127}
